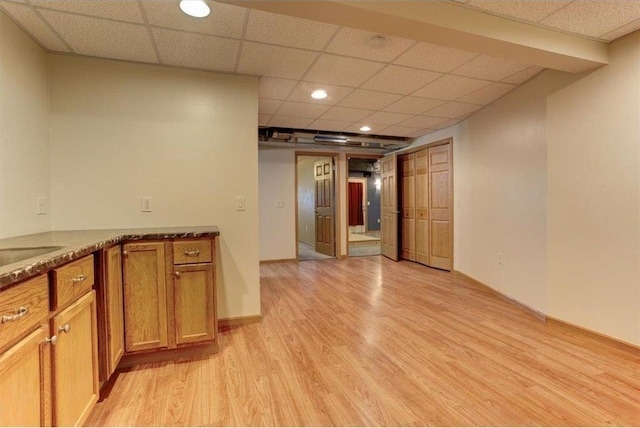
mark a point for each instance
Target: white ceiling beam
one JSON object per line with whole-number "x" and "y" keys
{"x": 449, "y": 25}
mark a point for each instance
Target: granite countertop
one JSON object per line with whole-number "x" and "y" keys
{"x": 77, "y": 243}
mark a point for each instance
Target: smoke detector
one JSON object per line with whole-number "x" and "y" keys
{"x": 377, "y": 42}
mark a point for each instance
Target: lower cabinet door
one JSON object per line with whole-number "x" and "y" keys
{"x": 25, "y": 381}
{"x": 75, "y": 362}
{"x": 195, "y": 311}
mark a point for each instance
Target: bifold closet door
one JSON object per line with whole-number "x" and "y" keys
{"x": 389, "y": 211}
{"x": 422, "y": 207}
{"x": 408, "y": 208}
{"x": 440, "y": 207}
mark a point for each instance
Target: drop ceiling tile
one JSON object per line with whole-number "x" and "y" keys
{"x": 445, "y": 124}
{"x": 290, "y": 122}
{"x": 454, "y": 110}
{"x": 413, "y": 105}
{"x": 487, "y": 94}
{"x": 355, "y": 128}
{"x": 196, "y": 50}
{"x": 420, "y": 133}
{"x": 433, "y": 57}
{"x": 594, "y": 17}
{"x": 120, "y": 10}
{"x": 385, "y": 118}
{"x": 263, "y": 119}
{"x": 329, "y": 125}
{"x": 524, "y": 75}
{"x": 303, "y": 90}
{"x": 489, "y": 68}
{"x": 102, "y": 38}
{"x": 274, "y": 88}
{"x": 289, "y": 31}
{"x": 450, "y": 87}
{"x": 526, "y": 10}
{"x": 400, "y": 80}
{"x": 364, "y": 99}
{"x": 290, "y": 108}
{"x": 274, "y": 61}
{"x": 621, "y": 31}
{"x": 346, "y": 114}
{"x": 422, "y": 122}
{"x": 342, "y": 71}
{"x": 356, "y": 43}
{"x": 31, "y": 22}
{"x": 400, "y": 131}
{"x": 225, "y": 20}
{"x": 267, "y": 106}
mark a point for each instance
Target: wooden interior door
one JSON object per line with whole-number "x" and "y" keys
{"x": 408, "y": 207}
{"x": 145, "y": 296}
{"x": 440, "y": 207}
{"x": 389, "y": 204}
{"x": 114, "y": 307}
{"x": 324, "y": 210}
{"x": 422, "y": 207}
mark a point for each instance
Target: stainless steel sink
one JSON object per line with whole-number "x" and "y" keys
{"x": 13, "y": 255}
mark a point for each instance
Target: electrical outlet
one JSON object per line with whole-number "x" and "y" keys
{"x": 42, "y": 206}
{"x": 146, "y": 204}
{"x": 500, "y": 258}
{"x": 241, "y": 203}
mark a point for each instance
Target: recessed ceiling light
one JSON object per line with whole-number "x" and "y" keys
{"x": 319, "y": 94}
{"x": 365, "y": 128}
{"x": 195, "y": 8}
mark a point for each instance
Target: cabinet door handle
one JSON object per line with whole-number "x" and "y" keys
{"x": 194, "y": 253}
{"x": 78, "y": 279}
{"x": 125, "y": 253}
{"x": 53, "y": 340}
{"x": 64, "y": 328}
{"x": 177, "y": 274}
{"x": 22, "y": 311}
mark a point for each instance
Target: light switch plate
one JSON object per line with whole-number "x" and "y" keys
{"x": 241, "y": 203}
{"x": 146, "y": 204}
{"x": 42, "y": 206}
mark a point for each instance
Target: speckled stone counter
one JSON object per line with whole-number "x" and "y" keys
{"x": 78, "y": 243}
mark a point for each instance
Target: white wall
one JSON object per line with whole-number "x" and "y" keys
{"x": 277, "y": 225}
{"x": 593, "y": 209}
{"x": 120, "y": 131}
{"x": 24, "y": 130}
{"x": 500, "y": 192}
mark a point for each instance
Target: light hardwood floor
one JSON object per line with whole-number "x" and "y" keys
{"x": 366, "y": 341}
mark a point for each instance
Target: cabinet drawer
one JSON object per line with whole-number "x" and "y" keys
{"x": 191, "y": 252}
{"x": 71, "y": 281}
{"x": 22, "y": 307}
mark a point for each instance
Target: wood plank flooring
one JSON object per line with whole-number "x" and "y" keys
{"x": 366, "y": 341}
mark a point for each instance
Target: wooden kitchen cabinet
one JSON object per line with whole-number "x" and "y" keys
{"x": 25, "y": 381}
{"x": 113, "y": 309}
{"x": 169, "y": 294}
{"x": 75, "y": 362}
{"x": 145, "y": 296}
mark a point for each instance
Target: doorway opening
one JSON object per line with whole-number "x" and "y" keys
{"x": 363, "y": 206}
{"x": 316, "y": 201}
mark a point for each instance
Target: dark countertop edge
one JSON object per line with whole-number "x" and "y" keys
{"x": 47, "y": 263}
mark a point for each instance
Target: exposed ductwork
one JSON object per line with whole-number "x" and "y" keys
{"x": 297, "y": 138}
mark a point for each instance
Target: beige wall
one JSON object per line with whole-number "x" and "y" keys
{"x": 500, "y": 191}
{"x": 277, "y": 224}
{"x": 24, "y": 130}
{"x": 120, "y": 131}
{"x": 593, "y": 187}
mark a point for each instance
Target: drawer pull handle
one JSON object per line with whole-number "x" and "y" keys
{"x": 64, "y": 328}
{"x": 52, "y": 341}
{"x": 22, "y": 311}
{"x": 78, "y": 279}
{"x": 194, "y": 253}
